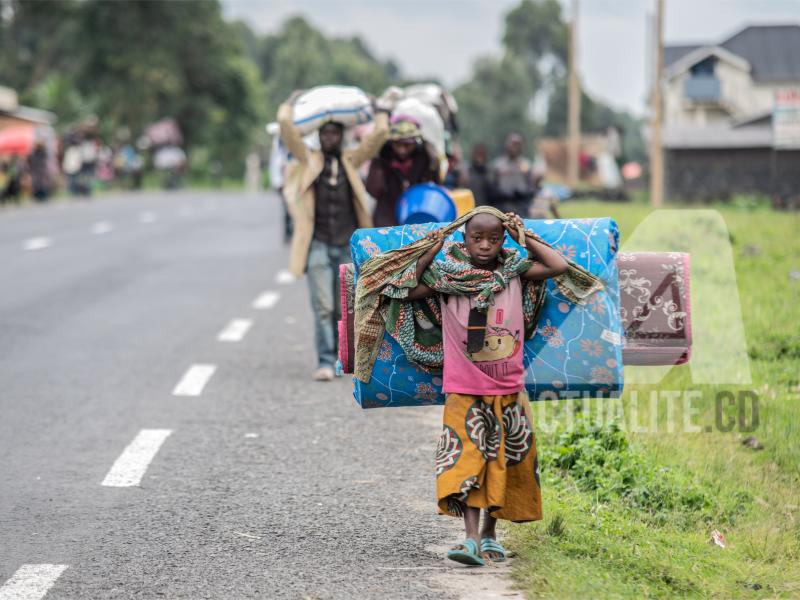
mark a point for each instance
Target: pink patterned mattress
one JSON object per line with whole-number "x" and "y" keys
{"x": 655, "y": 309}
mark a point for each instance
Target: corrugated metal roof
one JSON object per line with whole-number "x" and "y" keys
{"x": 773, "y": 51}
{"x": 34, "y": 115}
{"x": 675, "y": 53}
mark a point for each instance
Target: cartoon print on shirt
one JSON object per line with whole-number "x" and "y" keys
{"x": 499, "y": 344}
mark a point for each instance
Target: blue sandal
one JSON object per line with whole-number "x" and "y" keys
{"x": 492, "y": 545}
{"x": 466, "y": 554}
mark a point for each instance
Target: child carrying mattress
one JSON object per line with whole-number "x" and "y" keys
{"x": 483, "y": 301}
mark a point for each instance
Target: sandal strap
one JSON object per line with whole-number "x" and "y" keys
{"x": 490, "y": 545}
{"x": 470, "y": 545}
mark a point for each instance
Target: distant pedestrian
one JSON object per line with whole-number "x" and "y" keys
{"x": 252, "y": 173}
{"x": 278, "y": 160}
{"x": 328, "y": 202}
{"x": 478, "y": 174}
{"x": 404, "y": 161}
{"x": 13, "y": 181}
{"x": 511, "y": 178}
{"x": 39, "y": 173}
{"x": 71, "y": 165}
{"x": 456, "y": 169}
{"x": 90, "y": 148}
{"x": 545, "y": 202}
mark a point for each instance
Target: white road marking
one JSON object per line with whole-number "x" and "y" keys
{"x": 247, "y": 535}
{"x": 266, "y": 300}
{"x": 31, "y": 582}
{"x": 102, "y": 227}
{"x": 251, "y": 435}
{"x": 37, "y": 243}
{"x": 235, "y": 330}
{"x": 132, "y": 464}
{"x": 194, "y": 380}
{"x": 147, "y": 217}
{"x": 284, "y": 277}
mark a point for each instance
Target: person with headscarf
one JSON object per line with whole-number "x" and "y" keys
{"x": 404, "y": 161}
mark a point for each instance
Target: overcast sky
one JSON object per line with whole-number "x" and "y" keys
{"x": 443, "y": 37}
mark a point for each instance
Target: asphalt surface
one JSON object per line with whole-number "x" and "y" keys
{"x": 269, "y": 485}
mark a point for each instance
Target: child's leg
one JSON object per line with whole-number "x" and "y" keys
{"x": 491, "y": 549}
{"x": 469, "y": 551}
{"x": 489, "y": 525}
{"x": 472, "y": 519}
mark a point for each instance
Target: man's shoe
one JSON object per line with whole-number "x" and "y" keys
{"x": 323, "y": 374}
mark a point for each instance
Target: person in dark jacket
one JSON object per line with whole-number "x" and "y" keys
{"x": 478, "y": 175}
{"x": 511, "y": 178}
{"x": 404, "y": 161}
{"x": 40, "y": 176}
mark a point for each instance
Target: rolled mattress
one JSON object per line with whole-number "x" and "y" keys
{"x": 576, "y": 351}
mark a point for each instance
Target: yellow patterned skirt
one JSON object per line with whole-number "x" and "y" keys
{"x": 486, "y": 458}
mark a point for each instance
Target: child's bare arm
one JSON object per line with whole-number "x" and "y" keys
{"x": 549, "y": 263}
{"x": 422, "y": 290}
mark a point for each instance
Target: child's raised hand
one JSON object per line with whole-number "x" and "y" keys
{"x": 513, "y": 226}
{"x": 438, "y": 236}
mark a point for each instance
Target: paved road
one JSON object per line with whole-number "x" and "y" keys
{"x": 258, "y": 484}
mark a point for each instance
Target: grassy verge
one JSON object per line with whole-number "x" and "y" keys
{"x": 630, "y": 515}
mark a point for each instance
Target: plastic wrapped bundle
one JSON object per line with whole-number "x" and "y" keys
{"x": 576, "y": 351}
{"x": 347, "y": 105}
{"x": 429, "y": 120}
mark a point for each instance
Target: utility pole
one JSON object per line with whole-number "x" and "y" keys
{"x": 657, "y": 115}
{"x": 574, "y": 104}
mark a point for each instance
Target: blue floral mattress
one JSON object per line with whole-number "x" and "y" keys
{"x": 577, "y": 350}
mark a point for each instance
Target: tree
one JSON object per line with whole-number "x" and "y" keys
{"x": 495, "y": 101}
{"x": 146, "y": 60}
{"x": 595, "y": 117}
{"x": 36, "y": 39}
{"x": 500, "y": 92}
{"x": 299, "y": 56}
{"x": 536, "y": 33}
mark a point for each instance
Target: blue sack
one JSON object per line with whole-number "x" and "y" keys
{"x": 576, "y": 351}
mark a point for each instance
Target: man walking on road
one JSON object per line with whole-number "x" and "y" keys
{"x": 327, "y": 201}
{"x": 511, "y": 179}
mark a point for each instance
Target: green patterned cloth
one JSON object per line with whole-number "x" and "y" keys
{"x": 417, "y": 326}
{"x": 385, "y": 280}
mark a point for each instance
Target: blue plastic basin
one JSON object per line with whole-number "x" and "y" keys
{"x": 425, "y": 203}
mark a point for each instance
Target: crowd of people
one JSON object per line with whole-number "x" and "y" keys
{"x": 87, "y": 161}
{"x": 82, "y": 161}
{"x": 330, "y": 191}
{"x": 26, "y": 174}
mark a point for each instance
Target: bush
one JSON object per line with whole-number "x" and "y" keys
{"x": 602, "y": 461}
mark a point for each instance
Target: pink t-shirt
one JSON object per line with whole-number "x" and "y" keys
{"x": 497, "y": 368}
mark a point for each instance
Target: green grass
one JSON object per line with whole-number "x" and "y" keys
{"x": 630, "y": 515}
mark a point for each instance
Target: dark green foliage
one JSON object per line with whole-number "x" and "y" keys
{"x": 537, "y": 34}
{"x": 132, "y": 62}
{"x": 595, "y": 117}
{"x": 500, "y": 95}
{"x": 494, "y": 102}
{"x": 300, "y": 56}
